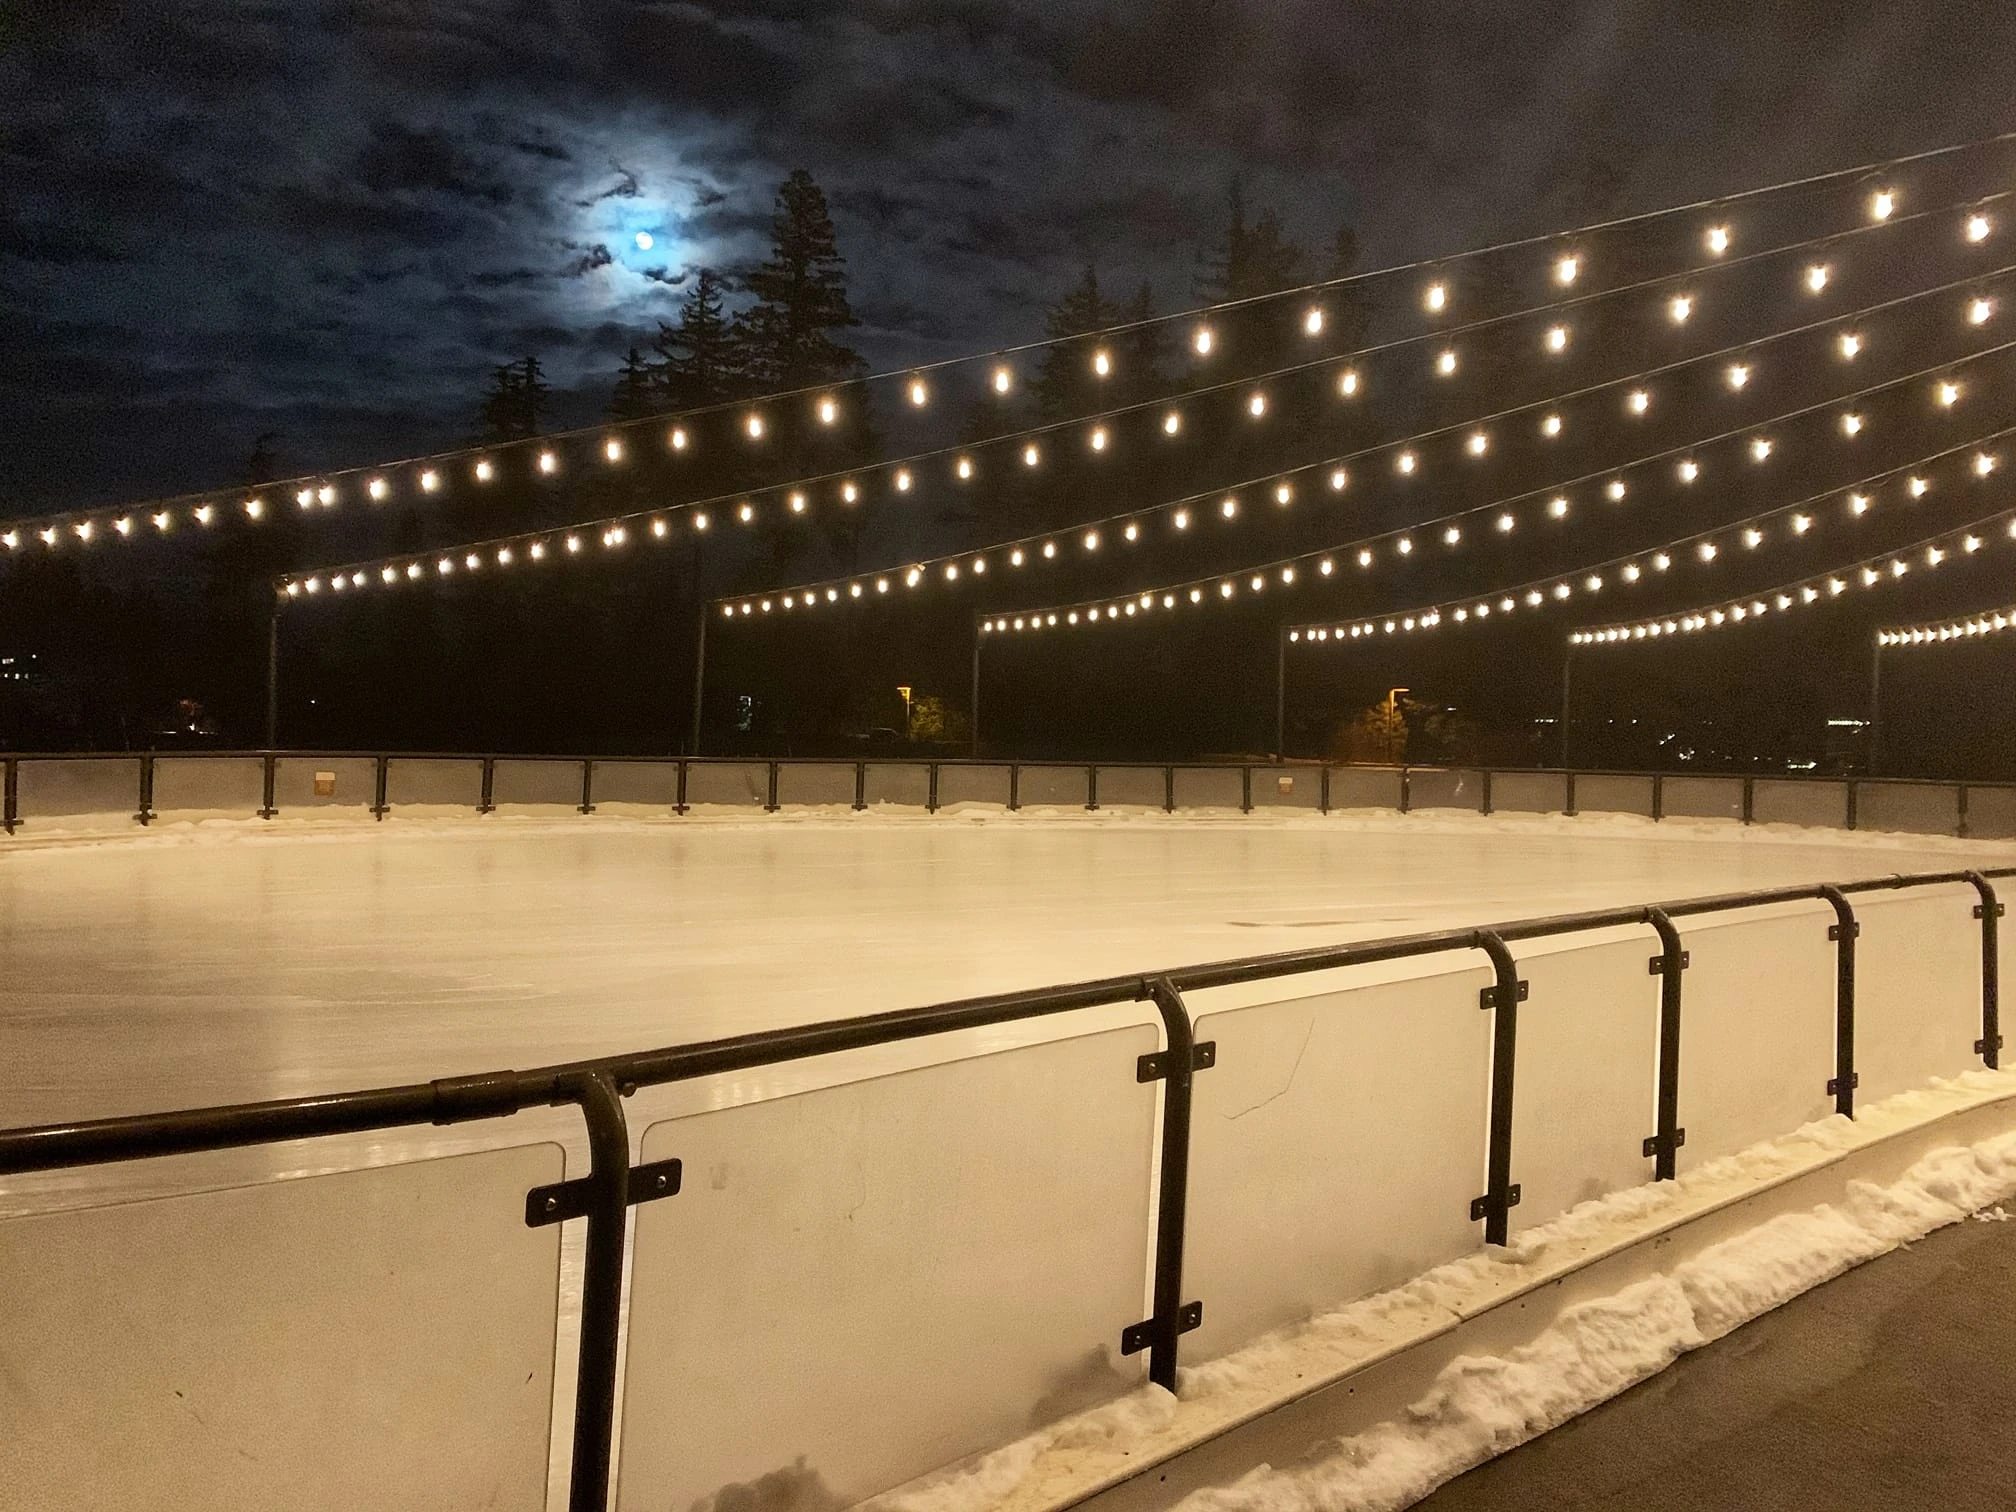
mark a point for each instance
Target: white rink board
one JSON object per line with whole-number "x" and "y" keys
{"x": 860, "y": 1284}
{"x": 1365, "y": 1105}
{"x": 381, "y": 1338}
{"x": 1917, "y": 987}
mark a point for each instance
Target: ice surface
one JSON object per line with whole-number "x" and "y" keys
{"x": 214, "y": 963}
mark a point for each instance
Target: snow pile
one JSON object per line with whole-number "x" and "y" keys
{"x": 1481, "y": 1406}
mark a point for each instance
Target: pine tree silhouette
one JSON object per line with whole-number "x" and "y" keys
{"x": 789, "y": 336}
{"x": 699, "y": 359}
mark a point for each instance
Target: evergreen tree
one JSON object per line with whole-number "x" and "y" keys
{"x": 1065, "y": 382}
{"x": 698, "y": 359}
{"x": 636, "y": 389}
{"x": 790, "y": 335}
{"x": 511, "y": 408}
{"x": 1252, "y": 259}
{"x": 1349, "y": 308}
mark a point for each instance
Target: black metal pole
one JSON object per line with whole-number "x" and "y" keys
{"x": 1567, "y": 690}
{"x": 1501, "y": 1194}
{"x": 1841, "y": 1086}
{"x": 1667, "y": 1136}
{"x": 699, "y": 681}
{"x": 273, "y": 678}
{"x": 1175, "y": 1184}
{"x": 974, "y": 718}
{"x": 601, "y": 1289}
{"x": 1281, "y": 694}
{"x": 1988, "y": 911}
{"x": 1875, "y": 706}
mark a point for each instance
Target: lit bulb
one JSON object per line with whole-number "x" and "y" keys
{"x": 678, "y": 438}
{"x": 1451, "y": 536}
{"x": 1446, "y": 363}
{"x": 1979, "y": 310}
{"x": 1689, "y": 470}
{"x": 574, "y": 543}
{"x": 1851, "y": 425}
{"x": 1312, "y": 323}
{"x": 1181, "y": 519}
{"x": 1132, "y": 532}
{"x": 1478, "y": 443}
{"x": 254, "y": 508}
{"x": 1881, "y": 203}
{"x": 1283, "y": 493}
{"x": 613, "y": 450}
{"x": 902, "y": 480}
{"x": 1338, "y": 479}
{"x": 1015, "y": 557}
{"x": 1347, "y": 382}
{"x": 746, "y": 513}
{"x": 829, "y": 411}
{"x": 1030, "y": 455}
{"x": 1004, "y": 380}
{"x": 1858, "y": 504}
{"x": 1984, "y": 464}
{"x": 1201, "y": 341}
{"x": 1171, "y": 423}
{"x": 1615, "y": 489}
{"x": 1364, "y": 559}
{"x": 1760, "y": 449}
{"x": 963, "y": 468}
{"x": 797, "y": 503}
{"x": 1098, "y": 438}
{"x": 1718, "y": 239}
{"x": 1091, "y": 540}
{"x": 1801, "y": 524}
{"x": 1679, "y": 307}
{"x": 325, "y": 495}
{"x": 1566, "y": 269}
{"x": 1738, "y": 374}
{"x": 1229, "y": 507}
{"x": 1850, "y": 344}
{"x": 1978, "y": 227}
{"x": 1949, "y": 395}
{"x": 1706, "y": 551}
{"x": 1816, "y": 277}
{"x": 548, "y": 462}
{"x": 377, "y": 488}
{"x": 919, "y": 394}
{"x": 1405, "y": 462}
{"x": 1753, "y": 538}
{"x": 1257, "y": 405}
{"x": 1505, "y": 524}
{"x": 1436, "y": 298}
{"x": 1551, "y": 426}
{"x": 1661, "y": 562}
{"x": 1405, "y": 545}
{"x": 849, "y": 492}
{"x": 700, "y": 521}
{"x": 1557, "y": 506}
{"x": 1102, "y": 362}
{"x": 1557, "y": 338}
{"x": 1639, "y": 402}
{"x": 1049, "y": 549}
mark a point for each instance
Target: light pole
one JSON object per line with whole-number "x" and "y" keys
{"x": 903, "y": 692}
{"x": 1392, "y": 715}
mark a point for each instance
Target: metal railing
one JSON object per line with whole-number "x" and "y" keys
{"x": 598, "y": 1089}
{"x": 268, "y": 783}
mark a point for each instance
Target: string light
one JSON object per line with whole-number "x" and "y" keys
{"x": 829, "y": 411}
{"x": 1312, "y": 321}
{"x": 548, "y": 462}
{"x": 1718, "y": 240}
{"x": 1347, "y": 382}
{"x": 1738, "y": 374}
{"x": 1881, "y": 203}
{"x": 1004, "y": 380}
{"x": 678, "y": 438}
{"x": 1550, "y": 425}
{"x": 1171, "y": 423}
{"x": 1565, "y": 270}
{"x": 1557, "y": 338}
{"x": 1638, "y": 402}
{"x": 1445, "y": 364}
{"x": 1436, "y": 298}
{"x": 920, "y": 395}
{"x": 1978, "y": 311}
{"x": 1816, "y": 277}
{"x": 1851, "y": 424}
{"x": 1978, "y": 227}
{"x": 1938, "y": 632}
{"x": 1948, "y": 394}
{"x": 1850, "y": 344}
{"x": 1200, "y": 342}
{"x": 1679, "y": 307}
{"x": 753, "y": 426}
{"x": 1256, "y": 406}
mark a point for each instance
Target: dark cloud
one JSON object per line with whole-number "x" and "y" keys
{"x": 334, "y": 216}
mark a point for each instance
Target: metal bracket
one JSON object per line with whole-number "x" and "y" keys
{"x": 1854, "y": 931}
{"x": 569, "y": 1199}
{"x": 1487, "y": 997}
{"x": 1834, "y": 1084}
{"x": 2001, "y": 909}
{"x": 1139, "y": 1336}
{"x": 1654, "y": 1144}
{"x": 1154, "y": 1066}
{"x": 1658, "y": 963}
{"x": 1981, "y": 1045}
{"x": 1480, "y": 1207}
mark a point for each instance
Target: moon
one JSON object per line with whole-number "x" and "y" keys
{"x": 644, "y": 242}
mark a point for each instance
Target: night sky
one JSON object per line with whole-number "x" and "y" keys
{"x": 330, "y": 220}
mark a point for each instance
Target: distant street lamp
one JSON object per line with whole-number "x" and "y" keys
{"x": 903, "y": 692}
{"x": 1392, "y": 714}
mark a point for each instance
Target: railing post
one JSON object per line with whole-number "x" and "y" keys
{"x": 1323, "y": 789}
{"x": 587, "y": 785}
{"x": 601, "y": 1289}
{"x": 1092, "y": 786}
{"x": 1988, "y": 911}
{"x": 1749, "y": 799}
{"x": 1484, "y": 798}
{"x": 267, "y": 763}
{"x": 1568, "y": 795}
{"x": 10, "y": 799}
{"x": 1663, "y": 1144}
{"x": 679, "y": 792}
{"x": 379, "y": 807}
{"x": 1171, "y": 1317}
{"x": 1502, "y": 999}
{"x": 1014, "y": 786}
{"x": 1844, "y": 929}
{"x": 486, "y": 801}
{"x": 1245, "y": 789}
{"x": 1406, "y": 789}
{"x": 860, "y": 786}
{"x": 1960, "y": 829}
{"x": 1168, "y": 790}
{"x": 931, "y": 790}
{"x": 1854, "y": 793}
{"x": 145, "y": 813}
{"x": 770, "y": 797}
{"x": 1658, "y": 796}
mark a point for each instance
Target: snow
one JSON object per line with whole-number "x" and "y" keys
{"x": 1481, "y": 1405}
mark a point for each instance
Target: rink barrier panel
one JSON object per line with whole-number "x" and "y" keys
{"x": 90, "y": 790}
{"x": 597, "y": 1089}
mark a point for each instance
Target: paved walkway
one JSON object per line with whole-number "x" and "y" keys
{"x": 1892, "y": 1388}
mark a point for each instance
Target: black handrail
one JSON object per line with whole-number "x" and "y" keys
{"x": 597, "y": 1087}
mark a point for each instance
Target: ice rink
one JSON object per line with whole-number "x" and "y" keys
{"x": 221, "y": 963}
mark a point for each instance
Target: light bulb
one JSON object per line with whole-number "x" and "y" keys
{"x": 1566, "y": 269}
{"x": 1229, "y": 507}
{"x": 1283, "y": 493}
{"x": 1753, "y": 538}
{"x": 1171, "y": 423}
{"x": 1801, "y": 524}
{"x": 1557, "y": 338}
{"x": 1446, "y": 363}
{"x": 849, "y": 492}
{"x": 1405, "y": 545}
{"x": 1858, "y": 504}
{"x": 1948, "y": 394}
{"x": 1679, "y": 307}
{"x": 1201, "y": 341}
{"x": 1030, "y": 455}
{"x": 377, "y": 488}
{"x": 548, "y": 462}
{"x": 1102, "y": 362}
{"x": 1639, "y": 402}
{"x": 1098, "y": 438}
{"x": 1851, "y": 424}
{"x": 1451, "y": 536}
{"x": 1718, "y": 240}
{"x": 1505, "y": 524}
{"x": 1978, "y": 227}
{"x": 1436, "y": 298}
{"x": 1816, "y": 277}
{"x": 919, "y": 394}
{"x": 754, "y": 426}
{"x": 678, "y": 438}
{"x": 829, "y": 411}
{"x": 1760, "y": 448}
{"x": 1706, "y": 551}
{"x": 746, "y": 513}
{"x": 1979, "y": 310}
{"x": 963, "y": 468}
{"x": 1881, "y": 203}
{"x": 1738, "y": 374}
{"x": 1347, "y": 382}
{"x": 1551, "y": 426}
{"x": 1615, "y": 489}
{"x": 1558, "y": 506}
{"x": 1256, "y": 406}
{"x": 1689, "y": 470}
{"x": 1312, "y": 322}
{"x": 797, "y": 503}
{"x": 613, "y": 450}
{"x": 1405, "y": 462}
{"x": 254, "y": 508}
{"x": 1181, "y": 519}
{"x": 1004, "y": 379}
{"x": 1338, "y": 479}
{"x": 1984, "y": 464}
{"x": 902, "y": 480}
{"x": 1849, "y": 344}
{"x": 1478, "y": 444}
